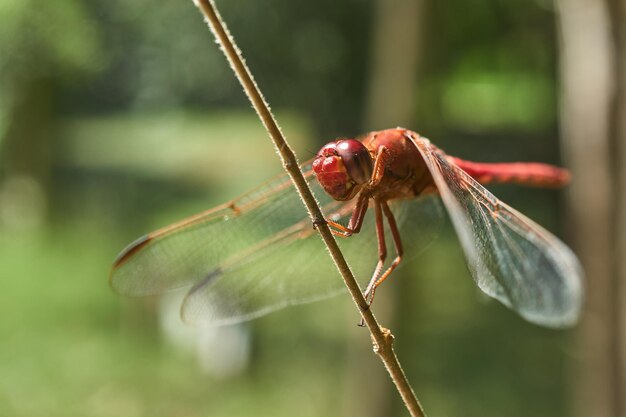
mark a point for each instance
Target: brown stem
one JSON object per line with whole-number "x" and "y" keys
{"x": 382, "y": 338}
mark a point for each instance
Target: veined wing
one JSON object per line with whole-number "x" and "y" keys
{"x": 181, "y": 254}
{"x": 258, "y": 253}
{"x": 510, "y": 257}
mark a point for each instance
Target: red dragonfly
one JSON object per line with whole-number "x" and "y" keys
{"x": 258, "y": 253}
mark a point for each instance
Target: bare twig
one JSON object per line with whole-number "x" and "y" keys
{"x": 382, "y": 338}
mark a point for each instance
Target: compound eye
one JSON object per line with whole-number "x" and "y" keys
{"x": 356, "y": 158}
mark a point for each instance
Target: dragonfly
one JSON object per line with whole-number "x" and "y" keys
{"x": 259, "y": 252}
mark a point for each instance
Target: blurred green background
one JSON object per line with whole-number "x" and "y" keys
{"x": 118, "y": 117}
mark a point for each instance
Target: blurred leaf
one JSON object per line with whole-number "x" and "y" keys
{"x": 499, "y": 101}
{"x": 36, "y": 37}
{"x": 51, "y": 40}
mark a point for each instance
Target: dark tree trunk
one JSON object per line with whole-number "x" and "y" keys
{"x": 27, "y": 144}
{"x": 617, "y": 12}
{"x": 592, "y": 117}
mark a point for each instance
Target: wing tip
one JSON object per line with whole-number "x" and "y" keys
{"x": 185, "y": 315}
{"x": 562, "y": 322}
{"x": 563, "y": 318}
{"x": 130, "y": 250}
{"x": 124, "y": 256}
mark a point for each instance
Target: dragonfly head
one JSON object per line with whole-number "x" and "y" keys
{"x": 343, "y": 167}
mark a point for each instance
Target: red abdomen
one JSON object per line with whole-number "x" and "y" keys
{"x": 525, "y": 173}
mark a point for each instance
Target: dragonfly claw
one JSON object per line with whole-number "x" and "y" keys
{"x": 318, "y": 221}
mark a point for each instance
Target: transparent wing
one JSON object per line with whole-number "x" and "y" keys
{"x": 510, "y": 257}
{"x": 259, "y": 253}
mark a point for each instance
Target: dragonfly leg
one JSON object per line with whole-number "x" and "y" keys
{"x": 382, "y": 255}
{"x": 382, "y": 157}
{"x": 397, "y": 241}
{"x": 356, "y": 220}
{"x": 382, "y": 251}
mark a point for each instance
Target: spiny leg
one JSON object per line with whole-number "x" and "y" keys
{"x": 382, "y": 251}
{"x": 382, "y": 255}
{"x": 380, "y": 163}
{"x": 356, "y": 219}
{"x": 397, "y": 241}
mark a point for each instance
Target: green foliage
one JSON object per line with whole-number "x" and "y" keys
{"x": 39, "y": 38}
{"x": 476, "y": 101}
{"x": 53, "y": 41}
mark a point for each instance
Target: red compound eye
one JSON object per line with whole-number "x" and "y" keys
{"x": 356, "y": 159}
{"x": 341, "y": 166}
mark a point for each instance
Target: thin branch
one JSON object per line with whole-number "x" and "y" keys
{"x": 382, "y": 338}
